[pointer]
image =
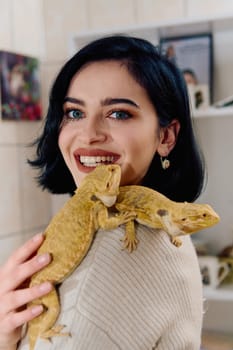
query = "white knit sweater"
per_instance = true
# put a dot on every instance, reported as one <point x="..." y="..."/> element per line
<point x="149" y="299"/>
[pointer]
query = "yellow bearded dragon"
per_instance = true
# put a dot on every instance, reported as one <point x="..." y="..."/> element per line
<point x="73" y="229"/>
<point x="153" y="209"/>
<point x="68" y="238"/>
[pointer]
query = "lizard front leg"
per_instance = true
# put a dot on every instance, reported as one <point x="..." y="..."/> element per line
<point x="130" y="240"/>
<point x="110" y="221"/>
<point x="169" y="227"/>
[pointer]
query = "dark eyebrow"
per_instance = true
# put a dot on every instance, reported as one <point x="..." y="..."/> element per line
<point x="107" y="102"/>
<point x="73" y="100"/>
<point x="111" y="101"/>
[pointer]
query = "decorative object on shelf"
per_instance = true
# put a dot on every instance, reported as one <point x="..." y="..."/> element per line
<point x="213" y="271"/>
<point x="226" y="255"/>
<point x="229" y="277"/>
<point x="20" y="88"/>
<point x="199" y="96"/>
<point x="194" y="56"/>
<point x="226" y="102"/>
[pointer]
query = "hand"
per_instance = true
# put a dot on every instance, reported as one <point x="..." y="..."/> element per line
<point x="14" y="295"/>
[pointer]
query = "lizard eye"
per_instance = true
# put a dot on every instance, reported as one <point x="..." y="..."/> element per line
<point x="204" y="215"/>
<point x="183" y="219"/>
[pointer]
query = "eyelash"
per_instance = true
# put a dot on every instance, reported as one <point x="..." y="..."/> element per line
<point x="69" y="111"/>
<point x="127" y="114"/>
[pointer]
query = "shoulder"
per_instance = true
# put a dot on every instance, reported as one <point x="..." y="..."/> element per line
<point x="148" y="289"/>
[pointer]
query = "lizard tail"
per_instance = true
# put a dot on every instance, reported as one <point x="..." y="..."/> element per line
<point x="39" y="326"/>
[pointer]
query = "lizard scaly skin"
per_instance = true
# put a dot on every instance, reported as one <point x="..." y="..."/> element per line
<point x="153" y="209"/>
<point x="71" y="232"/>
<point x="68" y="238"/>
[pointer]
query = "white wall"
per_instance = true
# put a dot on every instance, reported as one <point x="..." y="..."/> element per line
<point x="24" y="209"/>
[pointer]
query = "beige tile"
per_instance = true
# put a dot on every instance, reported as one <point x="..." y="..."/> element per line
<point x="28" y="28"/>
<point x="8" y="132"/>
<point x="57" y="202"/>
<point x="18" y="132"/>
<point x="150" y="11"/>
<point x="28" y="131"/>
<point x="10" y="208"/>
<point x="208" y="7"/>
<point x="35" y="203"/>
<point x="5" y="25"/>
<point x="63" y="18"/>
<point x="111" y="14"/>
<point x="48" y="75"/>
<point x="7" y="245"/>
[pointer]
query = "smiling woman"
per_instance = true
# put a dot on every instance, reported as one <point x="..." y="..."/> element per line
<point x="113" y="119"/>
<point x="118" y="100"/>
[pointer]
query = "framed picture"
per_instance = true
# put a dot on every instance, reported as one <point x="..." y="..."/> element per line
<point x="20" y="88"/>
<point x="194" y="56"/>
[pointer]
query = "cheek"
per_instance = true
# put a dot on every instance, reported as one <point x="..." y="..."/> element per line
<point x="64" y="139"/>
<point x="63" y="144"/>
<point x="143" y="144"/>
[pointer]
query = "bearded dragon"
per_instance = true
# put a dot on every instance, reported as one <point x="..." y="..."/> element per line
<point x="155" y="210"/>
<point x="73" y="229"/>
<point x="68" y="238"/>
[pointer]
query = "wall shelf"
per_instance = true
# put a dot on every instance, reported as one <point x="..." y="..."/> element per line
<point x="160" y="29"/>
<point x="222" y="293"/>
<point x="213" y="112"/>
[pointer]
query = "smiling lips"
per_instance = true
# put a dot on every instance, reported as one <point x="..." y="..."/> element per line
<point x="89" y="159"/>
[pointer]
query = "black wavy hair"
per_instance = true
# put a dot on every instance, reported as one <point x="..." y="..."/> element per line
<point x="166" y="88"/>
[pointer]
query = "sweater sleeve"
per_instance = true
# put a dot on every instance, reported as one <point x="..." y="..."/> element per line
<point x="149" y="299"/>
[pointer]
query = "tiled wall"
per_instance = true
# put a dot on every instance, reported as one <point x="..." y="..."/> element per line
<point x="44" y="28"/>
<point x="24" y="208"/>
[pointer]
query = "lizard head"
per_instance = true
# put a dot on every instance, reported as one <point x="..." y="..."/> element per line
<point x="105" y="181"/>
<point x="194" y="217"/>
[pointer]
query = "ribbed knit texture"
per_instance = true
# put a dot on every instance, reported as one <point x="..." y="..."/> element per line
<point x="149" y="299"/>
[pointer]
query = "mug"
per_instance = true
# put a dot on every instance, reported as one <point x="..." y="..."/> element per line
<point x="213" y="271"/>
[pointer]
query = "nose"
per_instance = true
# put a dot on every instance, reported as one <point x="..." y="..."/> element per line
<point x="93" y="131"/>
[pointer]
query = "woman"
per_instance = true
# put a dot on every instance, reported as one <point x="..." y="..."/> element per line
<point x="118" y="100"/>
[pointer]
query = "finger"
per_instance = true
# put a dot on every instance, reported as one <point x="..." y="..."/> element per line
<point x="25" y="251"/>
<point x="17" y="319"/>
<point x="16" y="299"/>
<point x="23" y="272"/>
<point x="9" y="340"/>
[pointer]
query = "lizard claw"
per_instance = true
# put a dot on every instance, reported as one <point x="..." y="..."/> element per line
<point x="130" y="244"/>
<point x="176" y="241"/>
<point x="55" y="332"/>
<point x="128" y="216"/>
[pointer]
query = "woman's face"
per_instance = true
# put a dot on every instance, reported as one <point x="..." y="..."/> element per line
<point x="108" y="118"/>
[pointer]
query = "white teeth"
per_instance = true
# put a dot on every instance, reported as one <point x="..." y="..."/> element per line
<point x="92" y="161"/>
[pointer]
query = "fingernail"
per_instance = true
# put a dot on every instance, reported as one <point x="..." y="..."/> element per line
<point x="45" y="287"/>
<point x="37" y="237"/>
<point x="36" y="310"/>
<point x="44" y="258"/>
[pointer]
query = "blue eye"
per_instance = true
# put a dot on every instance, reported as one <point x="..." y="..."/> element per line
<point x="120" y="115"/>
<point x="74" y="114"/>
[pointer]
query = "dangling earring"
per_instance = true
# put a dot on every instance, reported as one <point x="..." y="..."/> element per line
<point x="165" y="163"/>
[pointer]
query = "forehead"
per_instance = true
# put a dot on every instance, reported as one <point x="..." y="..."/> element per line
<point x="103" y="71"/>
<point x="106" y="76"/>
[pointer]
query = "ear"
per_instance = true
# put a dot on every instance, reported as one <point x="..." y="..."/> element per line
<point x="168" y="137"/>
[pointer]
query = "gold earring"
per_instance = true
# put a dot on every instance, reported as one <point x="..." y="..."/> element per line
<point x="165" y="163"/>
